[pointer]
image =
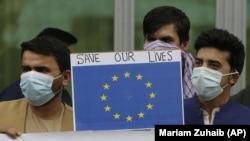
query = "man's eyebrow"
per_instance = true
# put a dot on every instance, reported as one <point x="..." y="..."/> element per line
<point x="209" y="61"/>
<point x="151" y="38"/>
<point x="214" y="62"/>
<point x="198" y="59"/>
<point x="25" y="66"/>
<point x="36" y="67"/>
<point x="166" y="38"/>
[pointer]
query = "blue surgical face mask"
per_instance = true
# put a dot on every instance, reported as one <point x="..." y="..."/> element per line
<point x="37" y="87"/>
<point x="206" y="82"/>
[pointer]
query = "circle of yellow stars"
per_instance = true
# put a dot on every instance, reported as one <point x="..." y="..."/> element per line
<point x="117" y="115"/>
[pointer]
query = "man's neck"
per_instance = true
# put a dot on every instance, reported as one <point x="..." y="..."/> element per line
<point x="50" y="110"/>
<point x="208" y="106"/>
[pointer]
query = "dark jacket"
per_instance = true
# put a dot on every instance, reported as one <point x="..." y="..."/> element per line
<point x="230" y="113"/>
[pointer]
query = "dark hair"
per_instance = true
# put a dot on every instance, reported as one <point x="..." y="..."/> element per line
<point x="64" y="36"/>
<point x="160" y="16"/>
<point x="223" y="40"/>
<point x="49" y="46"/>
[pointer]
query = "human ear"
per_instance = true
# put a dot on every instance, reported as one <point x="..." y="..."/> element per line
<point x="66" y="77"/>
<point x="184" y="46"/>
<point x="234" y="77"/>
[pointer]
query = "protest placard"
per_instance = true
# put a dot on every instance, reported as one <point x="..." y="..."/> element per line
<point x="126" y="90"/>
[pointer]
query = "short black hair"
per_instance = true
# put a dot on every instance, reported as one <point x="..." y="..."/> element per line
<point x="49" y="46"/>
<point x="222" y="40"/>
<point x="162" y="15"/>
<point x="62" y="35"/>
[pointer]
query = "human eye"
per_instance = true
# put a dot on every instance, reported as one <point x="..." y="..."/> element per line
<point x="25" y="69"/>
<point x="42" y="69"/>
<point x="197" y="63"/>
<point x="166" y="39"/>
<point x="214" y="64"/>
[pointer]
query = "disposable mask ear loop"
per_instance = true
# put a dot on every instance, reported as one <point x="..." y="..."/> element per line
<point x="229" y="78"/>
<point x="60" y="89"/>
<point x="58" y="76"/>
<point x="225" y="86"/>
<point x="230" y="73"/>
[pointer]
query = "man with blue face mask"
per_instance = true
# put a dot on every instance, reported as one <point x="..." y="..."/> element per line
<point x="45" y="72"/>
<point x="218" y="63"/>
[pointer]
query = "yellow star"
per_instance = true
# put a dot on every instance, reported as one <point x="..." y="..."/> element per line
<point x="139" y="77"/>
<point x="107" y="108"/>
<point x="141" y="115"/>
<point x="129" y="118"/>
<point x="116" y="116"/>
<point x="126" y="74"/>
<point x="148" y="84"/>
<point x="152" y="95"/>
<point x="106" y="86"/>
<point x="103" y="97"/>
<point x="115" y="78"/>
<point x="149" y="106"/>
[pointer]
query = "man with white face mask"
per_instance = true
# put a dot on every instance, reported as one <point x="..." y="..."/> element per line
<point x="45" y="72"/>
<point x="13" y="91"/>
<point x="218" y="63"/>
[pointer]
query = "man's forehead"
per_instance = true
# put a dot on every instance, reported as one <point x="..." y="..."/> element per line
<point x="212" y="54"/>
<point x="34" y="59"/>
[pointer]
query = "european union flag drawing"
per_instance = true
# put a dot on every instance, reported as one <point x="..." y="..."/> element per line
<point x="127" y="96"/>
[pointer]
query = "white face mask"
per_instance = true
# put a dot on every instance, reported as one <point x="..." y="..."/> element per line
<point x="206" y="82"/>
<point x="37" y="87"/>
